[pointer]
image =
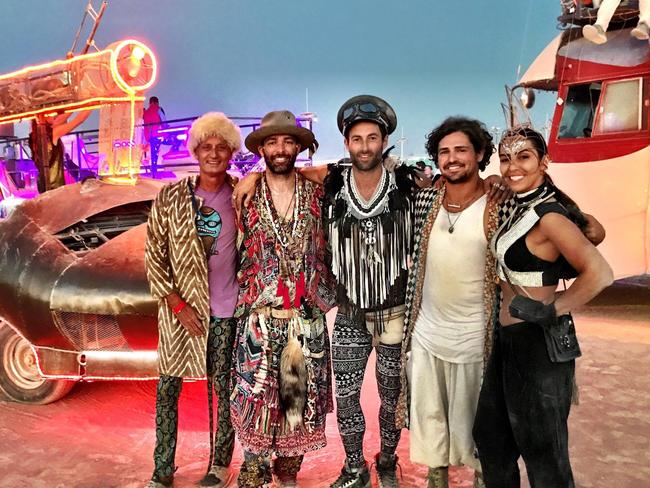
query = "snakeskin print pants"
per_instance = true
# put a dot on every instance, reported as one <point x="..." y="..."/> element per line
<point x="219" y="360"/>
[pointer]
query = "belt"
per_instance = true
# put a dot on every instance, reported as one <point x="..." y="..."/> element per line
<point x="387" y="314"/>
<point x="288" y="313"/>
<point x="277" y="313"/>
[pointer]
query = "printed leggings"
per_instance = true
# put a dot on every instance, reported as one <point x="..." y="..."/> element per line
<point x="351" y="347"/>
<point x="219" y="360"/>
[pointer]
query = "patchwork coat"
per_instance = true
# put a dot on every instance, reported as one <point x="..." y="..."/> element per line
<point x="175" y="261"/>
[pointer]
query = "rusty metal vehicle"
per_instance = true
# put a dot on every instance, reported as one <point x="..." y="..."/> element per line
<point x="74" y="300"/>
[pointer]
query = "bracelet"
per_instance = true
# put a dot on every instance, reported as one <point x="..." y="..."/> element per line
<point x="179" y="308"/>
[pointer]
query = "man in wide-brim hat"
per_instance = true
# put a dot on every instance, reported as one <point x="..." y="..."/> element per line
<point x="285" y="122"/>
<point x="282" y="382"/>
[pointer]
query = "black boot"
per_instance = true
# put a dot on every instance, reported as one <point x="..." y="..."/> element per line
<point x="387" y="470"/>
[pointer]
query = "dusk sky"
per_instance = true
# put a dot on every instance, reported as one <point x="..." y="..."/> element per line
<point x="427" y="58"/>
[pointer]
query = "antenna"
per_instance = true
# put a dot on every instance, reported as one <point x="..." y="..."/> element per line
<point x="307" y="114"/>
<point x="401" y="142"/>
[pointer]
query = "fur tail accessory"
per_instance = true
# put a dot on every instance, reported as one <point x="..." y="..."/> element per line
<point x="293" y="382"/>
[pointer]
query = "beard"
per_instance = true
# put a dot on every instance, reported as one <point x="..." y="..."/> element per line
<point x="369" y="165"/>
<point x="281" y="168"/>
<point x="457" y="179"/>
<point x="463" y="177"/>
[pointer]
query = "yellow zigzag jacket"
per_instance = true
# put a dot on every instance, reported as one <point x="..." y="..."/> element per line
<point x="175" y="261"/>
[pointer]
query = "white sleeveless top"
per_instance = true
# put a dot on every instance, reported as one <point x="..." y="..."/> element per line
<point x="451" y="322"/>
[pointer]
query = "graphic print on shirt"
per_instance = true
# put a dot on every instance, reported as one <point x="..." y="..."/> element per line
<point x="208" y="226"/>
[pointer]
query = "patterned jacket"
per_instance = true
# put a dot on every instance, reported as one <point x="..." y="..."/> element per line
<point x="427" y="204"/>
<point x="175" y="261"/>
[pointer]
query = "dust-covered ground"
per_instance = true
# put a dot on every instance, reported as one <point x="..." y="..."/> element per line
<point x="102" y="434"/>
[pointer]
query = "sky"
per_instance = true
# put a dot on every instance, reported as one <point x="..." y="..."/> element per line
<point x="429" y="59"/>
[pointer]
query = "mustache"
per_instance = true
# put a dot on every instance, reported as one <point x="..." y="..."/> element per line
<point x="282" y="155"/>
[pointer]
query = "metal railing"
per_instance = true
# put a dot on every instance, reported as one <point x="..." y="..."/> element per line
<point x="83" y="155"/>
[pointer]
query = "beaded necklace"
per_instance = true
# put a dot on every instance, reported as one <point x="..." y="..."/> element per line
<point x="377" y="203"/>
<point x="278" y="229"/>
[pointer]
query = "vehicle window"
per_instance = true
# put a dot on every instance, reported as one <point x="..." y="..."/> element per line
<point x="620" y="109"/>
<point x="579" y="111"/>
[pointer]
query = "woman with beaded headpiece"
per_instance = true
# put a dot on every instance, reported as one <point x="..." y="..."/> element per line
<point x="528" y="385"/>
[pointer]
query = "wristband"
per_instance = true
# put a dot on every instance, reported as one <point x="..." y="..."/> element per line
<point x="179" y="308"/>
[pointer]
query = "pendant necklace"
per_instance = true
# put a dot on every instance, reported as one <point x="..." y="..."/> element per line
<point x="452" y="224"/>
<point x="464" y="206"/>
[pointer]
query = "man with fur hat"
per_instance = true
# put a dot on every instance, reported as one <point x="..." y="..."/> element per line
<point x="191" y="263"/>
<point x="282" y="380"/>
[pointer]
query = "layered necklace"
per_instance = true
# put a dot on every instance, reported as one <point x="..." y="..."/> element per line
<point x="290" y="242"/>
<point x="377" y="204"/>
<point x="463" y="206"/>
<point x="274" y="219"/>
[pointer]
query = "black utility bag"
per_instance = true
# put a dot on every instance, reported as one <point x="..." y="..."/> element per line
<point x="561" y="340"/>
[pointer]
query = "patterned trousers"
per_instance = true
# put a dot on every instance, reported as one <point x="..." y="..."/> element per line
<point x="352" y="343"/>
<point x="219" y="359"/>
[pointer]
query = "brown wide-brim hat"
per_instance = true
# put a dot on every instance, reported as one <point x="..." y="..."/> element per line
<point x="280" y="122"/>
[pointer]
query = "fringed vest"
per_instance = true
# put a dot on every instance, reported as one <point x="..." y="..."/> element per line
<point x="370" y="242"/>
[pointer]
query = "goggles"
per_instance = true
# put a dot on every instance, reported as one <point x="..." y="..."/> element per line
<point x="364" y="111"/>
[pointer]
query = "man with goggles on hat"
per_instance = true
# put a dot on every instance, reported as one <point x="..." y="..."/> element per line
<point x="367" y="211"/>
<point x="367" y="218"/>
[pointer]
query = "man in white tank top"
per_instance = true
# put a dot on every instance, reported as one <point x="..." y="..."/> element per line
<point x="452" y="301"/>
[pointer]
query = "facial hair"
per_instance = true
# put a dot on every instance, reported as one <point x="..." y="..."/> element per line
<point x="366" y="165"/>
<point x="456" y="180"/>
<point x="281" y="168"/>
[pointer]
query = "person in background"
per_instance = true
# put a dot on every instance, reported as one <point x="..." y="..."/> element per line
<point x="47" y="147"/>
<point x="153" y="117"/>
<point x="596" y="33"/>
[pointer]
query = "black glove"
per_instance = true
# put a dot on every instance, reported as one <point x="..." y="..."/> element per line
<point x="530" y="310"/>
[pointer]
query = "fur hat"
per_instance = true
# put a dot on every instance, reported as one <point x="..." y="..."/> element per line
<point x="213" y="124"/>
<point x="280" y="122"/>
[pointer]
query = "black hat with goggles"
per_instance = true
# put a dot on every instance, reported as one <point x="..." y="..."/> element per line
<point x="366" y="108"/>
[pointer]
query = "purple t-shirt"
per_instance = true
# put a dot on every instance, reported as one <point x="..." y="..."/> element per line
<point x="216" y="227"/>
